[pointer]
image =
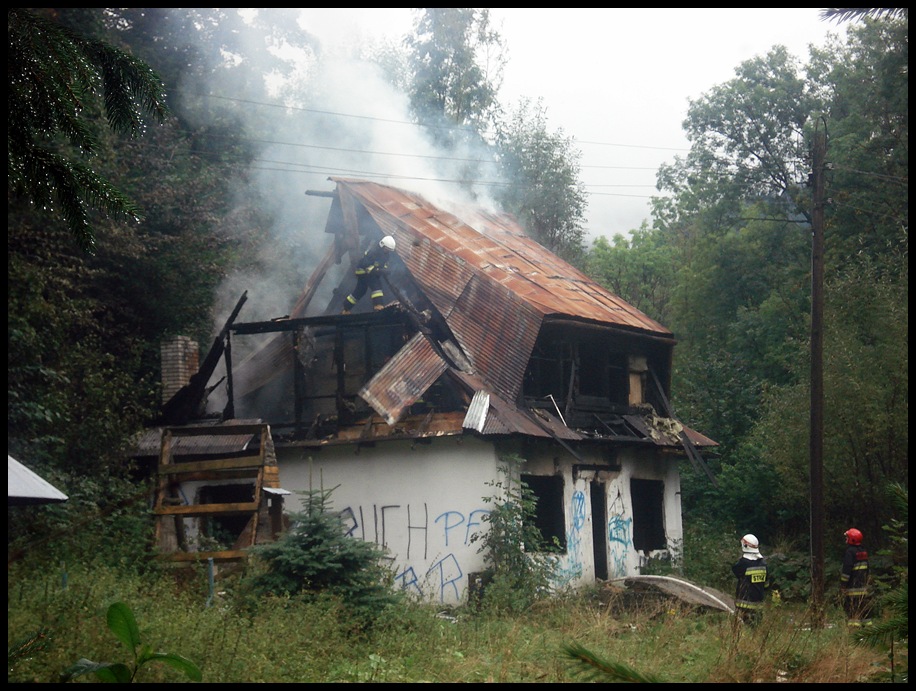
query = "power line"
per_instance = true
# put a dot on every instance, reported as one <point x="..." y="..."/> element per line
<point x="633" y="146"/>
<point x="311" y="168"/>
<point x="397" y="154"/>
<point x="880" y="176"/>
<point x="421" y="124"/>
<point x="336" y="172"/>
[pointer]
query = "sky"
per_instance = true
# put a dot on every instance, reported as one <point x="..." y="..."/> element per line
<point x="616" y="81"/>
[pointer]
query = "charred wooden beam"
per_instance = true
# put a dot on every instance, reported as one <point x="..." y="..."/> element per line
<point x="185" y="404"/>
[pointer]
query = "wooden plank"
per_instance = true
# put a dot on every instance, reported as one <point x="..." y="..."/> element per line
<point x="182" y="405"/>
<point x="168" y="532"/>
<point x="206" y="509"/>
<point x="216" y="430"/>
<point x="223" y="555"/>
<point x="254" y="462"/>
<point x="253" y="523"/>
<point x="249" y="474"/>
<point x="317" y="275"/>
<point x="271" y="476"/>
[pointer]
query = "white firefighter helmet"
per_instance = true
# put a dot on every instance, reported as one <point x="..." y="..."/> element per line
<point x="750" y="544"/>
<point x="387" y="242"/>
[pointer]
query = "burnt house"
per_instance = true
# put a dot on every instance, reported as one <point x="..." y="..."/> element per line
<point x="492" y="355"/>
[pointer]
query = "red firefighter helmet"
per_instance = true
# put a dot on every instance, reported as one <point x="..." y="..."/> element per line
<point x="853" y="537"/>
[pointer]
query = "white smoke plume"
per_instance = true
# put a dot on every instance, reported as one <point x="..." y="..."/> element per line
<point x="332" y="115"/>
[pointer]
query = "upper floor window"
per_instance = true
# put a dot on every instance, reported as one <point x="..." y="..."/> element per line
<point x="587" y="372"/>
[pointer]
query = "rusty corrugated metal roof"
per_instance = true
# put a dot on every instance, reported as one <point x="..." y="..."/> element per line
<point x="495" y="288"/>
<point x="445" y="252"/>
<point x="492" y="283"/>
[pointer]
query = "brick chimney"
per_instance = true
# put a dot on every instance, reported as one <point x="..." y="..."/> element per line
<point x="180" y="361"/>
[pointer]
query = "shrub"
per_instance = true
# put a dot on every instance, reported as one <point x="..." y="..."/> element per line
<point x="520" y="563"/>
<point x="315" y="559"/>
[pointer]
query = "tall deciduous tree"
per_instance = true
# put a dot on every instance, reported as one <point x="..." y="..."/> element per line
<point x="747" y="142"/>
<point x="737" y="220"/>
<point x="455" y="60"/>
<point x="866" y="428"/>
<point x="456" y="64"/>
<point x="864" y="84"/>
<point x="58" y="82"/>
<point x="638" y="267"/>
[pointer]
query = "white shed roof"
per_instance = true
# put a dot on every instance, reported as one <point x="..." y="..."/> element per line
<point x="26" y="487"/>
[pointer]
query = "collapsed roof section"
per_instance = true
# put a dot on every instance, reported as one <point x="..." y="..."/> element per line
<point x="492" y="284"/>
<point x="488" y="324"/>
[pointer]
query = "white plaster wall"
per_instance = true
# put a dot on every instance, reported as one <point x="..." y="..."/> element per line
<point x="423" y="504"/>
<point x="674" y="525"/>
<point x="623" y="558"/>
<point x="576" y="566"/>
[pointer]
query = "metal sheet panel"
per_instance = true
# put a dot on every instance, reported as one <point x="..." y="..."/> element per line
<point x="150" y="442"/>
<point x="498" y="337"/>
<point x="403" y="379"/>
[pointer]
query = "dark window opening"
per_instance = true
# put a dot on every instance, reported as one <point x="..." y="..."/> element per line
<point x="549" y="371"/>
<point x="222" y="532"/>
<point x="603" y="374"/>
<point x="569" y="373"/>
<point x="598" y="496"/>
<point x="549" y="517"/>
<point x="648" y="514"/>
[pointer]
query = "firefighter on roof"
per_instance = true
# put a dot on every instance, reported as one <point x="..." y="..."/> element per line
<point x="369" y="275"/>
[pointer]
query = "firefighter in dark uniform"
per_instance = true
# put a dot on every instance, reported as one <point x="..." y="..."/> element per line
<point x="854" y="579"/>
<point x="369" y="275"/>
<point x="751" y="572"/>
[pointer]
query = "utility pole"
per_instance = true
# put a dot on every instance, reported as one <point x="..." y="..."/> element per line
<point x="816" y="444"/>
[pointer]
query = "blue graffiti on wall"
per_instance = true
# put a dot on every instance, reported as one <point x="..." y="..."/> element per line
<point x="578" y="510"/>
<point x="620" y="535"/>
<point x="449" y="575"/>
<point x="446" y="574"/>
<point x="571" y="567"/>
<point x="455" y="519"/>
<point x="408" y="580"/>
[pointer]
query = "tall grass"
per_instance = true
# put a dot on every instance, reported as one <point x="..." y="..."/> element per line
<point x="288" y="640"/>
